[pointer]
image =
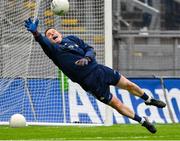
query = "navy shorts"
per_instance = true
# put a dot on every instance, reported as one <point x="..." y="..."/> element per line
<point x="98" y="82"/>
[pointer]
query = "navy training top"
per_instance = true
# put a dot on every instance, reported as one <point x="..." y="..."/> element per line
<point x="65" y="54"/>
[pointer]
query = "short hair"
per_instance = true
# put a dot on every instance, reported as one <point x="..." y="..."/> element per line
<point x="47" y="30"/>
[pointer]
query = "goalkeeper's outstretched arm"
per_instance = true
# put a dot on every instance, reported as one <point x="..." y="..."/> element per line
<point x="44" y="42"/>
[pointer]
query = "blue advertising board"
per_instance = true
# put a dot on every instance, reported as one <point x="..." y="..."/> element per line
<point x="42" y="100"/>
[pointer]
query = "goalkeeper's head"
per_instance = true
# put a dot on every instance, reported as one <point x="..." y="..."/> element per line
<point x="53" y="35"/>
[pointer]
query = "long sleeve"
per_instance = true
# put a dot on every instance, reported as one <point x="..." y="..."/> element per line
<point x="45" y="44"/>
<point x="90" y="53"/>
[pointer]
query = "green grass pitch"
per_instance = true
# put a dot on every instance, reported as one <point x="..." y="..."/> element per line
<point x="116" y="132"/>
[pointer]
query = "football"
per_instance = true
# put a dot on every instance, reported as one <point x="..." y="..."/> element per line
<point x="60" y="7"/>
<point x="17" y="120"/>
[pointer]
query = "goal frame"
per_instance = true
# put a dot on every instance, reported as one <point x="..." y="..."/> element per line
<point x="108" y="62"/>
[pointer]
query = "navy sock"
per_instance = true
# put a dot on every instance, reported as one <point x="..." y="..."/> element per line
<point x="145" y="96"/>
<point x="137" y="118"/>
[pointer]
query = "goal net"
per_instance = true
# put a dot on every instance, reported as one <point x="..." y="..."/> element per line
<point x="30" y="84"/>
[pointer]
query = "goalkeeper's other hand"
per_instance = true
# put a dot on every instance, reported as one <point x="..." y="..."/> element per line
<point x="82" y="62"/>
<point x="30" y="25"/>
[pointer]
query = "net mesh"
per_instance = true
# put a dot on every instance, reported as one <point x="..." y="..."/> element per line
<point x="30" y="83"/>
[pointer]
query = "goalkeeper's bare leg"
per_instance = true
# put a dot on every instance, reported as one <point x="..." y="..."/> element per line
<point x="126" y="84"/>
<point x="124" y="110"/>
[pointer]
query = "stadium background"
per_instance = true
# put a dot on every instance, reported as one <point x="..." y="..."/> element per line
<point x="30" y="84"/>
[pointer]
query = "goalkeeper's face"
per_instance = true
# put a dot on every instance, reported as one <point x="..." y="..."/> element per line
<point x="53" y="35"/>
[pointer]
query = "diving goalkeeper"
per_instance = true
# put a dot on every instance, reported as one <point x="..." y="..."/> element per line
<point x="77" y="60"/>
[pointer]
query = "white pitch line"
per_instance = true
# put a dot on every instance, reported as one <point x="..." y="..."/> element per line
<point x="62" y="139"/>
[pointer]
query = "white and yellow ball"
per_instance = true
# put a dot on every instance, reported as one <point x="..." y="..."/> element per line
<point x="17" y="121"/>
<point x="60" y="7"/>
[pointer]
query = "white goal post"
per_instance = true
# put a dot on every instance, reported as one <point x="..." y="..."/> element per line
<point x="108" y="49"/>
<point x="30" y="84"/>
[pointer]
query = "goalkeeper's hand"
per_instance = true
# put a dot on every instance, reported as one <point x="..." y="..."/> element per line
<point x="31" y="26"/>
<point x="82" y="61"/>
